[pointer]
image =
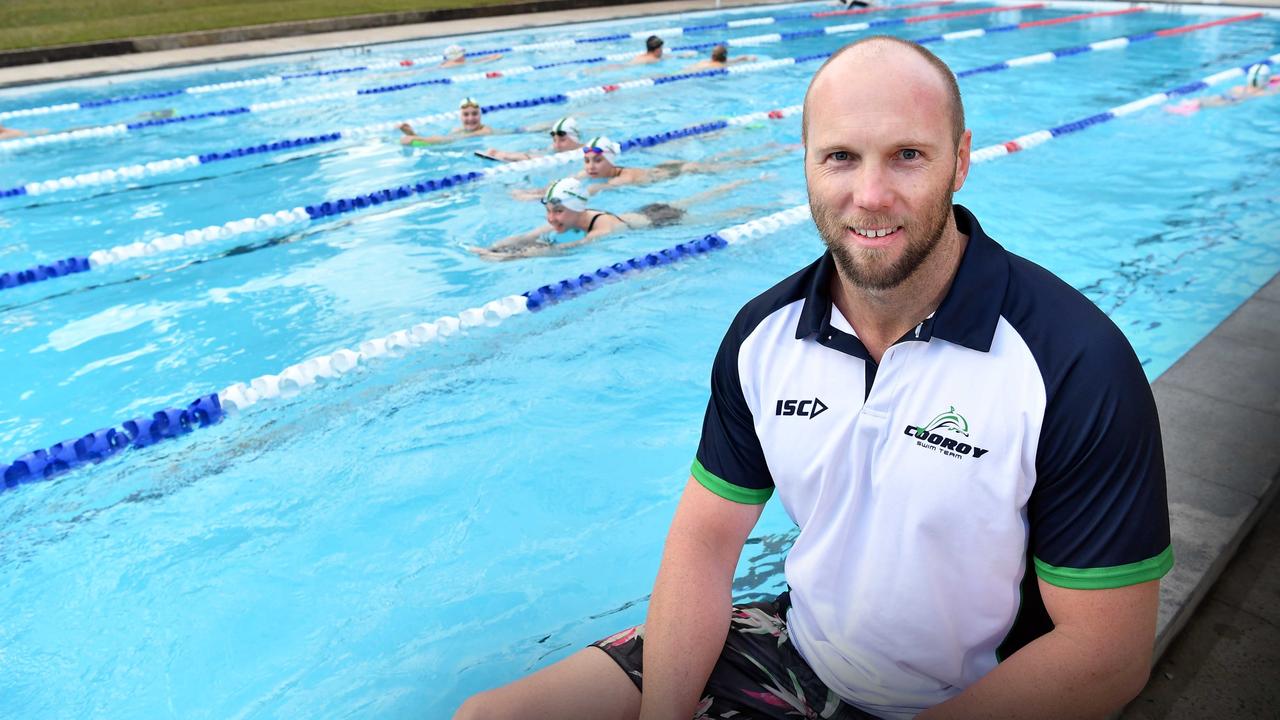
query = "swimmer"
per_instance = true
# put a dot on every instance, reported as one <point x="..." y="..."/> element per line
<point x="10" y="133"/>
<point x="472" y="124"/>
<point x="652" y="52"/>
<point x="600" y="158"/>
<point x="454" y="56"/>
<point x="162" y="114"/>
<point x="564" y="136"/>
<point x="719" y="59"/>
<point x="1258" y="83"/>
<point x="566" y="207"/>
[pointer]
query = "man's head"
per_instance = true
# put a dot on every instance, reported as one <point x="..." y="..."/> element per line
<point x="885" y="149"/>
<point x="564" y="134"/>
<point x="599" y="155"/>
<point x="564" y="200"/>
<point x="469" y="113"/>
<point x="454" y="53"/>
<point x="653" y="45"/>
<point x="720" y="53"/>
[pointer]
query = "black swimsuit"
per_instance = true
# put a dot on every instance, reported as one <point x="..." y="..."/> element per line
<point x="592" y="224"/>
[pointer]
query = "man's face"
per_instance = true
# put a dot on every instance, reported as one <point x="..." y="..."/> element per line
<point x="881" y="163"/>
<point x="561" y="141"/>
<point x="597" y="165"/>
<point x="470" y="117"/>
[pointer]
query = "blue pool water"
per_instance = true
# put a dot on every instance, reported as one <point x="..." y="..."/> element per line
<point x="440" y="523"/>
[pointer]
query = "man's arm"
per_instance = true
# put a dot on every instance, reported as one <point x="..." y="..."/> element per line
<point x="689" y="611"/>
<point x="1096" y="659"/>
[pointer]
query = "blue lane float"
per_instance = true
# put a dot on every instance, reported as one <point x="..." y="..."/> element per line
<point x="102" y="444"/>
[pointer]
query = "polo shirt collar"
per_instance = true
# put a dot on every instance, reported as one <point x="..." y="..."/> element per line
<point x="967" y="315"/>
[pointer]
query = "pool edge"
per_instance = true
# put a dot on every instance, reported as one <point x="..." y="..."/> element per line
<point x="1220" y="420"/>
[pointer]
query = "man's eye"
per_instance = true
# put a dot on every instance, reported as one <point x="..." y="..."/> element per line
<point x="840" y="156"/>
<point x="910" y="154"/>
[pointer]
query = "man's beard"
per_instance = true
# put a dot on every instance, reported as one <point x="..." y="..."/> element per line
<point x="868" y="268"/>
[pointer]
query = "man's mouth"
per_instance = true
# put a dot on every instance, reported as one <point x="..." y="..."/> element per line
<point x="875" y="233"/>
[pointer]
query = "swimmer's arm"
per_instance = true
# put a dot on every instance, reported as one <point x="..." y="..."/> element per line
<point x="742" y="59"/>
<point x="505" y="156"/>
<point x="523" y="238"/>
<point x="526" y="194"/>
<point x="486" y="58"/>
<point x="1096" y="659"/>
<point x="426" y="139"/>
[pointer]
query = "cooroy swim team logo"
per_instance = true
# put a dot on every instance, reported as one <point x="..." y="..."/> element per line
<point x="930" y="435"/>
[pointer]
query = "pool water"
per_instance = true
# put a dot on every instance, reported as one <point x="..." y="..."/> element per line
<point x="439" y="523"/>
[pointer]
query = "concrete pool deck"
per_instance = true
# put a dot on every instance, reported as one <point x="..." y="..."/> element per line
<point x="1219" y="403"/>
<point x="284" y="46"/>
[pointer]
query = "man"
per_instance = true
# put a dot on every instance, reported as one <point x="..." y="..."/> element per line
<point x="565" y="136"/>
<point x="719" y="59"/>
<point x="969" y="448"/>
<point x="652" y="52"/>
<point x="472" y="124"/>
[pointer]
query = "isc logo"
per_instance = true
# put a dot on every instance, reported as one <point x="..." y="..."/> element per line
<point x="804" y="408"/>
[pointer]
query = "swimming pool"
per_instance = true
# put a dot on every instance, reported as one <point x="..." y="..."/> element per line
<point x="438" y="523"/>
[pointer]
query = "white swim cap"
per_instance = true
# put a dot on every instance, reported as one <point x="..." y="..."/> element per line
<point x="601" y="145"/>
<point x="454" y="52"/>
<point x="1257" y="76"/>
<point x="567" y="192"/>
<point x="468" y="102"/>
<point x="566" y="125"/>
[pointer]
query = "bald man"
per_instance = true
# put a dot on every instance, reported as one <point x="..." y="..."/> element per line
<point x="968" y="446"/>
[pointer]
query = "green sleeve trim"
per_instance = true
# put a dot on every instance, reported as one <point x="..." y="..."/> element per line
<point x="1106" y="577"/>
<point x="727" y="490"/>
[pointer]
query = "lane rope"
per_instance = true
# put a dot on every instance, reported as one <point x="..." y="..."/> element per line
<point x="289" y="220"/>
<point x="210" y="409"/>
<point x="436" y="58"/>
<point x="170" y="165"/>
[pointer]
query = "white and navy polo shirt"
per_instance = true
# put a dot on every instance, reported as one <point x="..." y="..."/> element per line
<point x="1010" y="436"/>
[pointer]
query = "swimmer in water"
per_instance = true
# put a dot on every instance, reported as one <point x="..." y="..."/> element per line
<point x="454" y="56"/>
<point x="1258" y="83"/>
<point x="652" y="52"/>
<point x="719" y="59"/>
<point x="565" y="201"/>
<point x="7" y="133"/>
<point x="469" y="115"/>
<point x="564" y="137"/>
<point x="600" y="158"/>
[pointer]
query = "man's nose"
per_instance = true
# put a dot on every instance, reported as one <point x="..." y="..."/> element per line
<point x="873" y="187"/>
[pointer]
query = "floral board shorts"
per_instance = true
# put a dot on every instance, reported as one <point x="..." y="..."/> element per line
<point x="759" y="674"/>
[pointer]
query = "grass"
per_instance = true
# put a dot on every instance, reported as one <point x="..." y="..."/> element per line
<point x="40" y="23"/>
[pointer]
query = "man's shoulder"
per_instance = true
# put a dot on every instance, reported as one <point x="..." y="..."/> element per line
<point x="1063" y="328"/>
